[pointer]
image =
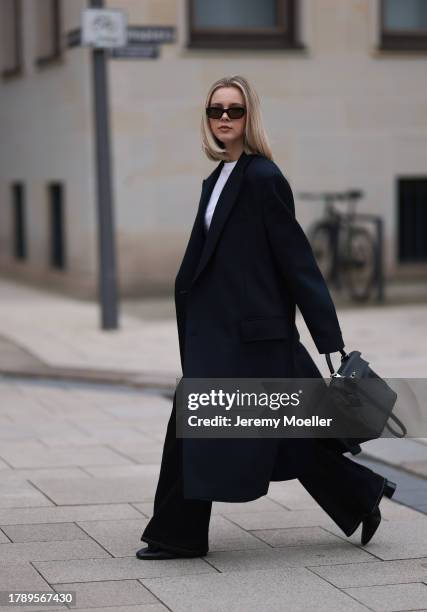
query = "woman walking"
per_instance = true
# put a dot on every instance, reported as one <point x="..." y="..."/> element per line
<point x="247" y="265"/>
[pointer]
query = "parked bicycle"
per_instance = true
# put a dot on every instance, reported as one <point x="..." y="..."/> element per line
<point x="345" y="252"/>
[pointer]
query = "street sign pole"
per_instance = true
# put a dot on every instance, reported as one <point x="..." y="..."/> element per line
<point x="107" y="275"/>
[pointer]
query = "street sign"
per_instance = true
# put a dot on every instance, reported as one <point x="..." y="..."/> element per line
<point x="73" y="38"/>
<point x="135" y="52"/>
<point x="151" y="34"/>
<point x="104" y="28"/>
<point x="141" y="42"/>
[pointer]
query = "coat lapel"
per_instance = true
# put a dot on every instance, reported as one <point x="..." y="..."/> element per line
<point x="197" y="237"/>
<point x="223" y="207"/>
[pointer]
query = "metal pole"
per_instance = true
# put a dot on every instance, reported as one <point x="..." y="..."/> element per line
<point x="380" y="259"/>
<point x="107" y="282"/>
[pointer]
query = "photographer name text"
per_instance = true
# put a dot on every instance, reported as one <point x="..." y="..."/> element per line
<point x="275" y="422"/>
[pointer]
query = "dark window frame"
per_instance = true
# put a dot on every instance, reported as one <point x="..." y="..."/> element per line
<point x="279" y="37"/>
<point x="410" y="236"/>
<point x="400" y="40"/>
<point x="56" y="55"/>
<point x="57" y="225"/>
<point x="17" y="68"/>
<point x="19" y="221"/>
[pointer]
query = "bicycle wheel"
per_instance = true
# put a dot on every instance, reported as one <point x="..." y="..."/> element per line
<point x="359" y="271"/>
<point x="321" y="239"/>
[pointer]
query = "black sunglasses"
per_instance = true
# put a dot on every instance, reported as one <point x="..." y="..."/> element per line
<point x="234" y="112"/>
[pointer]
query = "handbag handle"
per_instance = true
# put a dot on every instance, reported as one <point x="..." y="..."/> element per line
<point x="329" y="362"/>
<point x="394" y="418"/>
<point x="401" y="425"/>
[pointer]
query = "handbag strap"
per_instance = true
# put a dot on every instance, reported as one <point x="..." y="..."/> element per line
<point x="396" y="420"/>
<point x="401" y="425"/>
<point x="329" y="362"/>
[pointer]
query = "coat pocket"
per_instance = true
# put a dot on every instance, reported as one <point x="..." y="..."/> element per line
<point x="264" y="328"/>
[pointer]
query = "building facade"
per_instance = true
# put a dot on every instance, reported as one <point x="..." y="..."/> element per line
<point x="343" y="91"/>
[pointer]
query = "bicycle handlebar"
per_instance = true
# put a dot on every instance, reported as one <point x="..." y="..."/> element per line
<point x="330" y="196"/>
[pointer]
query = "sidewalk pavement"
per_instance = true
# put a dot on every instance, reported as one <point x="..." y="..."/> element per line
<point x="78" y="470"/>
<point x="79" y="464"/>
<point x="64" y="334"/>
<point x="46" y="334"/>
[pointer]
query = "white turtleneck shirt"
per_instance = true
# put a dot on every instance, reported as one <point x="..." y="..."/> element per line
<point x="216" y="192"/>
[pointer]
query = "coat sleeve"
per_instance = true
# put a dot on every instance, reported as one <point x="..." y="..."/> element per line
<point x="297" y="265"/>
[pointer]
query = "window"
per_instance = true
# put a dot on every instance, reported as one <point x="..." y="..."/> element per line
<point x="243" y="24"/>
<point x="404" y="24"/>
<point x="11" y="37"/>
<point x="57" y="225"/>
<point x="19" y="222"/>
<point x="412" y="220"/>
<point x="48" y="27"/>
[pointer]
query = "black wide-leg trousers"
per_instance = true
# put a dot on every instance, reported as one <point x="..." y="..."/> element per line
<point x="346" y="490"/>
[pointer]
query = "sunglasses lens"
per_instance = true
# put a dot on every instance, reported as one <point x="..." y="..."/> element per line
<point x="236" y="113"/>
<point x="216" y="112"/>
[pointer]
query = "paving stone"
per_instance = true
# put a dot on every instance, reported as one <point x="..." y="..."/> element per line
<point x="44" y="532"/>
<point x="4" y="466"/>
<point x="146" y="508"/>
<point x="92" y="433"/>
<point x="25" y="457"/>
<point x="395" y="539"/>
<point x="128" y="568"/>
<point x="225" y="535"/>
<point x="398" y="450"/>
<point x="46" y="551"/>
<point x="21" y="494"/>
<point x="21" y="575"/>
<point x="373" y="573"/>
<point x="391" y="510"/>
<point x="297" y="536"/>
<point x="393" y="597"/>
<point x="3" y="537"/>
<point x="283" y="518"/>
<point x="291" y="495"/>
<point x="404" y="480"/>
<point x="108" y="593"/>
<point x="257" y="505"/>
<point x="121" y="538"/>
<point x="63" y="514"/>
<point x="275" y="590"/>
<point x="23" y="474"/>
<point x="59" y="431"/>
<point x="148" y="607"/>
<point x="138" y="453"/>
<point x="147" y="474"/>
<point x="287" y="556"/>
<point x="54" y="607"/>
<point x="98" y="490"/>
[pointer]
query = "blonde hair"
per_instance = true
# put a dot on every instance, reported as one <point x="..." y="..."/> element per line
<point x="255" y="138"/>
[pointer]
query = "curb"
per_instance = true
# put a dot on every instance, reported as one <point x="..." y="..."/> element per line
<point x="157" y="380"/>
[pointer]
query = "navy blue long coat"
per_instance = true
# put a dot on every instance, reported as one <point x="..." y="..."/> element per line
<point x="235" y="297"/>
